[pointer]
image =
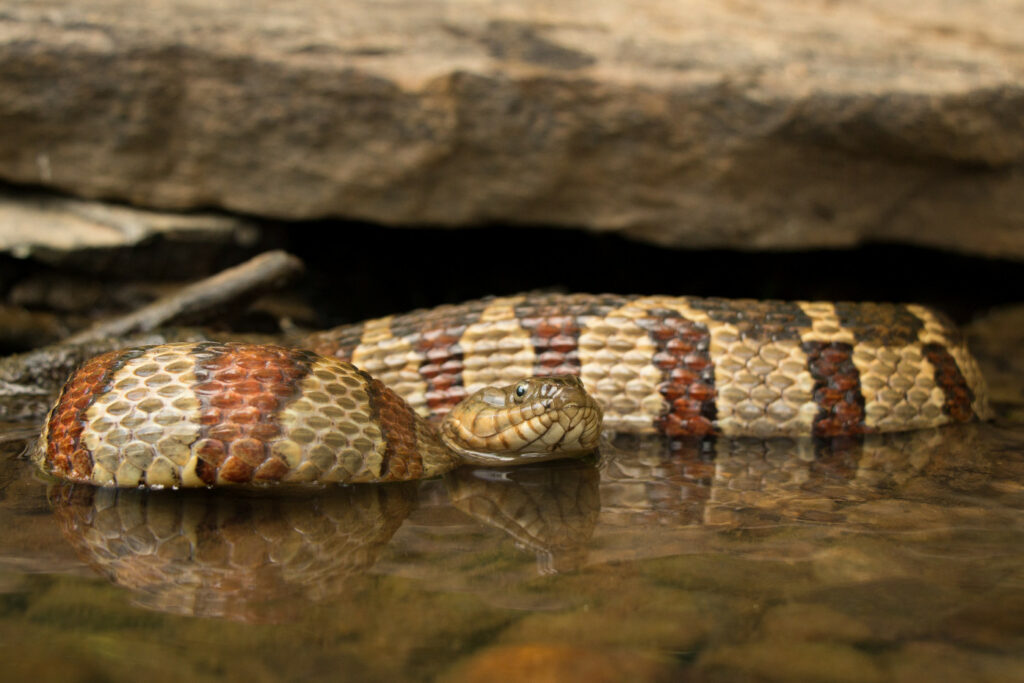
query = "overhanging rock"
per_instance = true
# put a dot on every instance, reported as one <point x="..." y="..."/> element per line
<point x="700" y="124"/>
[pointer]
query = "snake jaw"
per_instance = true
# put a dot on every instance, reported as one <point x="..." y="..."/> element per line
<point x="542" y="418"/>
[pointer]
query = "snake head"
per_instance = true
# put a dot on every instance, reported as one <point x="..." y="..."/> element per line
<point x="538" y="418"/>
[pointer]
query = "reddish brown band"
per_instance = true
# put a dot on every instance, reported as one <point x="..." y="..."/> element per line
<point x="438" y="342"/>
<point x="959" y="396"/>
<point x="689" y="376"/>
<point x="64" y="452"/>
<point x="397" y="424"/>
<point x="837" y="389"/>
<point x="240" y="390"/>
<point x="339" y="344"/>
<point x="555" y="340"/>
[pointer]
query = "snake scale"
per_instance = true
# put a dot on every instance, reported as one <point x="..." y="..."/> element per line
<point x="208" y="414"/>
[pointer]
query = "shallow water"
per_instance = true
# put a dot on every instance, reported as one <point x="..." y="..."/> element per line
<point x="892" y="558"/>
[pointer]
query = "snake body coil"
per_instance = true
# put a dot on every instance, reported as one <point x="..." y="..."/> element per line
<point x="686" y="365"/>
<point x="209" y="414"/>
<point x="212" y="414"/>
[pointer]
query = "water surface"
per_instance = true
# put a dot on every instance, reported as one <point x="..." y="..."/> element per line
<point x="890" y="558"/>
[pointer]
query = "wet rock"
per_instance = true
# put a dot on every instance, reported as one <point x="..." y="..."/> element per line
<point x="724" y="570"/>
<point x="697" y="124"/>
<point x="789" y="661"/>
<point x="896" y="608"/>
<point x="555" y="663"/>
<point x="946" y="663"/>
<point x="674" y="620"/>
<point x="994" y="622"/>
<point x="898" y="514"/>
<point x="53" y="659"/>
<point x="860" y="563"/>
<point x="806" y="622"/>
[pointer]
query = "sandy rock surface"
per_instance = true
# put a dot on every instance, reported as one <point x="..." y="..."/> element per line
<point x="796" y="123"/>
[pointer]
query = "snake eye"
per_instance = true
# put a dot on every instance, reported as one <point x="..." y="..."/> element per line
<point x="521" y="389"/>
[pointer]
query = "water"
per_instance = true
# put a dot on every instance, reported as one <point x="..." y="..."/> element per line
<point x="893" y="559"/>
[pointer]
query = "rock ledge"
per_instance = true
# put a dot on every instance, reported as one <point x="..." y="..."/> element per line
<point x="790" y="125"/>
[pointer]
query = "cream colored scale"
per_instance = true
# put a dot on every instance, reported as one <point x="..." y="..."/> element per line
<point x="761" y="389"/>
<point x="393" y="361"/>
<point x="616" y="366"/>
<point x="151" y="417"/>
<point x="935" y="333"/>
<point x="497" y="350"/>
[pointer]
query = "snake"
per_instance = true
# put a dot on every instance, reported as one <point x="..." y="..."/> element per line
<point x="216" y="414"/>
<point x="415" y="395"/>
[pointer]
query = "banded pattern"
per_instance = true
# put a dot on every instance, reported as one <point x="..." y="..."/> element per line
<point x="63" y="449"/>
<point x="207" y="413"/>
<point x="685" y="365"/>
